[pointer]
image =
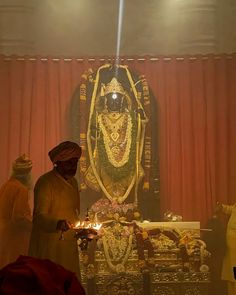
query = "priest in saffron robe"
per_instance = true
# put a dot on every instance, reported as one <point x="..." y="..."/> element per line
<point x="15" y="212"/>
<point x="56" y="207"/>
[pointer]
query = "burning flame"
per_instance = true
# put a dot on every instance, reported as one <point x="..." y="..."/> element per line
<point x="84" y="224"/>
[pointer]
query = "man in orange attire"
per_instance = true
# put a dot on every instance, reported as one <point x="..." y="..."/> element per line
<point x="15" y="213"/>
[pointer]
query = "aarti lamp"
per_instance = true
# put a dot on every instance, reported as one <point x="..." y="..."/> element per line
<point x="86" y="231"/>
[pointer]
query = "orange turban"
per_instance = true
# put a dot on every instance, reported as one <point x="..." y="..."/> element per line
<point x="22" y="165"/>
<point x="65" y="151"/>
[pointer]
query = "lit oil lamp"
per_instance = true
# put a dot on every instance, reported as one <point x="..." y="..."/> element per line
<point x="86" y="231"/>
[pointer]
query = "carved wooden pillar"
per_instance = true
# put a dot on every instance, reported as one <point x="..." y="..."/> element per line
<point x="16" y="27"/>
<point x="198" y="32"/>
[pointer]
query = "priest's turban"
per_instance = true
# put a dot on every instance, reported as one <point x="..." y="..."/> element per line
<point x="65" y="151"/>
<point x="22" y="165"/>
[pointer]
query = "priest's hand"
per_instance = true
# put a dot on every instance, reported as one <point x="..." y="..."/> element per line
<point x="63" y="225"/>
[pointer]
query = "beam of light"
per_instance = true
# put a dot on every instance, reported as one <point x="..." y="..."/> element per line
<point x="120" y="21"/>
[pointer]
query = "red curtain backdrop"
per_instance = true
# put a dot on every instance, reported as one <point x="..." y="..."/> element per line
<point x="196" y="97"/>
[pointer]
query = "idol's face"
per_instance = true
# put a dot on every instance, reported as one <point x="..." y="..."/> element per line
<point x="114" y="102"/>
<point x="68" y="168"/>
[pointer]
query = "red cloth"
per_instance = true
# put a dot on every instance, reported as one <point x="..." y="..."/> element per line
<point x="32" y="276"/>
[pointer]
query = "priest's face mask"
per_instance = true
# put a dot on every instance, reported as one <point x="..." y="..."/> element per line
<point x="67" y="169"/>
<point x="114" y="102"/>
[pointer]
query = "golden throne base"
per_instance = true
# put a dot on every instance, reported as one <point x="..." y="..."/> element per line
<point x="154" y="283"/>
<point x="157" y="281"/>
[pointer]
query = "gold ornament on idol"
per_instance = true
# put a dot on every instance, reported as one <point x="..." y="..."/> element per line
<point x="117" y="137"/>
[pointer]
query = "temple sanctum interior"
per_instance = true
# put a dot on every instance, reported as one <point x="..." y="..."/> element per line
<point x="142" y="96"/>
